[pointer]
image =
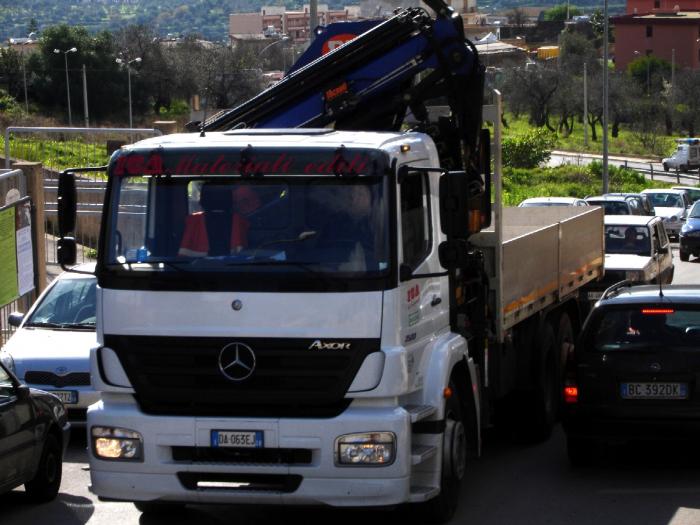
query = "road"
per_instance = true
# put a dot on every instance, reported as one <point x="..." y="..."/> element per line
<point x="562" y="157"/>
<point x="650" y="484"/>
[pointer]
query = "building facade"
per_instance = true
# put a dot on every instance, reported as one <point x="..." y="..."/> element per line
<point x="672" y="35"/>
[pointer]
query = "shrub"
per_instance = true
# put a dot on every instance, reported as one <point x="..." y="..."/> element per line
<point x="528" y="150"/>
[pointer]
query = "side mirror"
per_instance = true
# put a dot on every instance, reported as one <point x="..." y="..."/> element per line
<point x="453" y="254"/>
<point x="67" y="204"/>
<point x="15" y="319"/>
<point x="66" y="251"/>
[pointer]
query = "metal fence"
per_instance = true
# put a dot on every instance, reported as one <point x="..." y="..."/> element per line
<point x="61" y="148"/>
<point x="14" y="180"/>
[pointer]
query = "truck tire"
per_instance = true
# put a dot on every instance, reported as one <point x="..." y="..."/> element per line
<point x="683" y="168"/>
<point x="442" y="508"/>
<point x="580" y="451"/>
<point x="666" y="168"/>
<point x="47" y="480"/>
<point x="538" y="407"/>
<point x="685" y="256"/>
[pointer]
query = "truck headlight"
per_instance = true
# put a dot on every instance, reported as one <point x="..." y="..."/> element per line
<point x="635" y="276"/>
<point x="117" y="443"/>
<point x="370" y="448"/>
<point x="7" y="360"/>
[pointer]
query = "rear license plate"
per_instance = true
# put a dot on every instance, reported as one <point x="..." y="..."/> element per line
<point x="237" y="439"/>
<point x="654" y="390"/>
<point x="594" y="296"/>
<point x="68" y="397"/>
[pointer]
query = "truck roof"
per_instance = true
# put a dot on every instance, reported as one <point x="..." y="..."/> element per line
<point x="419" y="143"/>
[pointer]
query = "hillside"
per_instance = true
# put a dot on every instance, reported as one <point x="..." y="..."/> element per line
<point x="206" y="17"/>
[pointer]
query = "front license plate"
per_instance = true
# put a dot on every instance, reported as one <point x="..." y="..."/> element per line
<point x="68" y="397"/>
<point x="237" y="439"/>
<point x="654" y="390"/>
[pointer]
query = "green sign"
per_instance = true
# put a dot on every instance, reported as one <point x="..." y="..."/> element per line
<point x="8" y="257"/>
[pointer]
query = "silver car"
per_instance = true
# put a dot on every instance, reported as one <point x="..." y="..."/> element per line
<point x="51" y="348"/>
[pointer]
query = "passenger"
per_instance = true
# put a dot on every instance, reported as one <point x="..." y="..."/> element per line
<point x="217" y="230"/>
<point x="630" y="245"/>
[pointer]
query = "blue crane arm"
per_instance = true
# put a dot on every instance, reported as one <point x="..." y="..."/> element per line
<point x="373" y="81"/>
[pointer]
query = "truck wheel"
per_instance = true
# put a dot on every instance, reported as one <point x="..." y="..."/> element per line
<point x="683" y="168"/>
<point x="685" y="256"/>
<point x="454" y="463"/>
<point x="666" y="167"/>
<point x="47" y="480"/>
<point x="158" y="507"/>
<point x="536" y="417"/>
<point x="580" y="451"/>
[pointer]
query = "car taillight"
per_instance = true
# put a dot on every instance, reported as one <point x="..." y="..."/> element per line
<point x="571" y="394"/>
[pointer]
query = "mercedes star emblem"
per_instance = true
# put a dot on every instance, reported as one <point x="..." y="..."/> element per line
<point x="237" y="361"/>
<point x="237" y="305"/>
<point x="656" y="367"/>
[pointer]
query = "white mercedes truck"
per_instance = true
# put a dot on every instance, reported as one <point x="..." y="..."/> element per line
<point x="326" y="315"/>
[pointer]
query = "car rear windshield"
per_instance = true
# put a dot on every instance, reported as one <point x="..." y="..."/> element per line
<point x="637" y="327"/>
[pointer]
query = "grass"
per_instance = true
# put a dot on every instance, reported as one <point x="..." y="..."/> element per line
<point x="627" y="143"/>
<point x="569" y="181"/>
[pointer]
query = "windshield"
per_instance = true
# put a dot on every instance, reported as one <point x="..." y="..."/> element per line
<point x="612" y="207"/>
<point x="627" y="239"/>
<point x="70" y="303"/>
<point x="637" y="327"/>
<point x="666" y="200"/>
<point x="260" y="232"/>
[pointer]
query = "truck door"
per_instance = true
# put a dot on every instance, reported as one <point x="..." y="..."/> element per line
<point x="423" y="298"/>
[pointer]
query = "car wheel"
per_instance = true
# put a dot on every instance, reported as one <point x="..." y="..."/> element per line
<point x="47" y="480"/>
<point x="684" y="256"/>
<point x="665" y="167"/>
<point x="158" y="507"/>
<point x="442" y="508"/>
<point x="580" y="451"/>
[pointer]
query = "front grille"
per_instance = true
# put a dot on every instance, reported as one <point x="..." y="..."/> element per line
<point x="182" y="376"/>
<point x="240" y="482"/>
<point x="266" y="456"/>
<point x="49" y="378"/>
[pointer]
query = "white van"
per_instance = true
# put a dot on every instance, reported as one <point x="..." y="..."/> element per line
<point x="686" y="156"/>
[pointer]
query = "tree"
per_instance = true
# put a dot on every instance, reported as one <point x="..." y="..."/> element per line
<point x="650" y="72"/>
<point x="561" y="12"/>
<point x="32" y="27"/>
<point x="517" y="17"/>
<point x="531" y="91"/>
<point x="686" y="103"/>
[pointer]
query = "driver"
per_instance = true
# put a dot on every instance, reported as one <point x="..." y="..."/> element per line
<point x="217" y="230"/>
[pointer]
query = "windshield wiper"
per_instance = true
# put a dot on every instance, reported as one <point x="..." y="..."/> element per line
<point x="60" y="325"/>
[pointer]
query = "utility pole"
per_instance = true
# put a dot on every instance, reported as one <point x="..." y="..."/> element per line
<point x="673" y="84"/>
<point x="585" y="104"/>
<point x="313" y="19"/>
<point x="605" y="97"/>
<point x="24" y="75"/>
<point x="85" y="99"/>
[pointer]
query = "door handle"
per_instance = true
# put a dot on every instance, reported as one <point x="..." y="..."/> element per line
<point x="436" y="300"/>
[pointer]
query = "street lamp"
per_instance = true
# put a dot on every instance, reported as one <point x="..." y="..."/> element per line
<point x="285" y="38"/>
<point x="127" y="65"/>
<point x="648" y="83"/>
<point x="65" y="57"/>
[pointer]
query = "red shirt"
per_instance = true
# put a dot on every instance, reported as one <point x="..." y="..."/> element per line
<point x="195" y="242"/>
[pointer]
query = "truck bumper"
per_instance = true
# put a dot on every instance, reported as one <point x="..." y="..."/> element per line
<point x="173" y="469"/>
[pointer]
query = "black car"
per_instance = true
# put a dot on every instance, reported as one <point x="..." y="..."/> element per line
<point x="33" y="437"/>
<point x="690" y="234"/>
<point x="634" y="371"/>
